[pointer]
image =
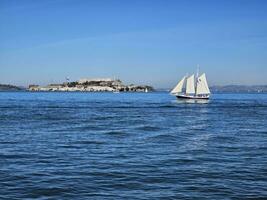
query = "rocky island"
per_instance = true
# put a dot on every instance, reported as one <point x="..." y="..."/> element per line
<point x="93" y="85"/>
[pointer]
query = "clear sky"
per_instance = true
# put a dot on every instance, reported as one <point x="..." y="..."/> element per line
<point x="139" y="41"/>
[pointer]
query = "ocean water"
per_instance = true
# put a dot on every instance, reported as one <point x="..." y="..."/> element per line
<point x="132" y="146"/>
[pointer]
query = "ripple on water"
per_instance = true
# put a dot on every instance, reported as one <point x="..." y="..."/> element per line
<point x="132" y="146"/>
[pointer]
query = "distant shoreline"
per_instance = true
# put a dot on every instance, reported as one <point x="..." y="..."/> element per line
<point x="155" y="91"/>
<point x="227" y="89"/>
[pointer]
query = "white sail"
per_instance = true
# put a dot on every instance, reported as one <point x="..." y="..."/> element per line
<point x="202" y="85"/>
<point x="190" y="85"/>
<point x="179" y="87"/>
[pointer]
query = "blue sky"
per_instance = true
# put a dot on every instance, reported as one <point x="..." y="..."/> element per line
<point x="152" y="42"/>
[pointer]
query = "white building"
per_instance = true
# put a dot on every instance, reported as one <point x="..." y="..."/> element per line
<point x="84" y="80"/>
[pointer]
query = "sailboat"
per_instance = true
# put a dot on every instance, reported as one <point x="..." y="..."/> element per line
<point x="192" y="87"/>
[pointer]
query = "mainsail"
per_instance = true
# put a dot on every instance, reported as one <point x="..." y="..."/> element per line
<point x="202" y="85"/>
<point x="190" y="85"/>
<point x="179" y="87"/>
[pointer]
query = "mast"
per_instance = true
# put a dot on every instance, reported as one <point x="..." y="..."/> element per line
<point x="197" y="71"/>
<point x="196" y="81"/>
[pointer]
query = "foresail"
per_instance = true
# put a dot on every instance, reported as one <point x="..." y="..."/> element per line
<point x="178" y="88"/>
<point x="190" y="85"/>
<point x="202" y="85"/>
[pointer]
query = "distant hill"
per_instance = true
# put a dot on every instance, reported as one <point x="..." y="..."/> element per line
<point x="239" y="89"/>
<point x="5" y="87"/>
<point x="214" y="89"/>
<point x="231" y="89"/>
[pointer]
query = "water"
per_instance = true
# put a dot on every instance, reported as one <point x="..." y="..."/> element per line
<point x="132" y="146"/>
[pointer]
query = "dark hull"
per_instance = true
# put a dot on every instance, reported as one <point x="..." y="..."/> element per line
<point x="191" y="97"/>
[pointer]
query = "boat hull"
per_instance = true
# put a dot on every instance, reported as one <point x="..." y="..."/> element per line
<point x="192" y="97"/>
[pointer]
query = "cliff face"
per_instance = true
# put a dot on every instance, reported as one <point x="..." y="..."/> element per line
<point x="93" y="85"/>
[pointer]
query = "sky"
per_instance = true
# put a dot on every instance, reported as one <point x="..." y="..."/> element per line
<point x="154" y="42"/>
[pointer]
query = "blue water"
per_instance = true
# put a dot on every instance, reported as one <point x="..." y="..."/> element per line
<point x="132" y="146"/>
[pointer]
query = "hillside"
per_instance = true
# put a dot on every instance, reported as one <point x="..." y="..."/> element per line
<point x="240" y="89"/>
<point x="6" y="87"/>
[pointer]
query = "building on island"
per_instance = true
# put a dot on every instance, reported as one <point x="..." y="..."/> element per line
<point x="92" y="85"/>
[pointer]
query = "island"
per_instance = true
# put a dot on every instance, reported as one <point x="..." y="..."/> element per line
<point x="93" y="85"/>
